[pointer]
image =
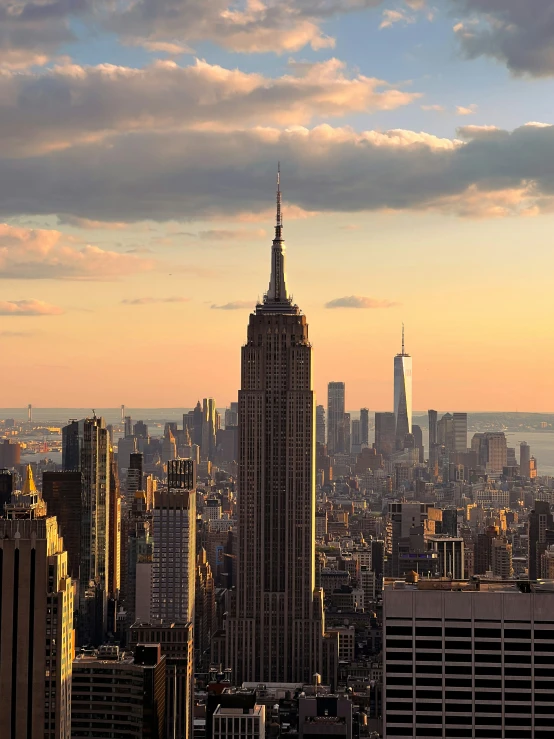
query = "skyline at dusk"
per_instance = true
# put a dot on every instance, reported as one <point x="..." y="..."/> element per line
<point x="138" y="153"/>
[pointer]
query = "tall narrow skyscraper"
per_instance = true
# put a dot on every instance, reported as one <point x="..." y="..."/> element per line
<point x="335" y="418"/>
<point x="86" y="449"/>
<point x="364" y="427"/>
<point x="403" y="394"/>
<point x="275" y="630"/>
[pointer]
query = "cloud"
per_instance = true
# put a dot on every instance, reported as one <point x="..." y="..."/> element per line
<point x="391" y="17"/>
<point x="235" y="305"/>
<point x="59" y="107"/>
<point x="436" y="108"/>
<point x="253" y="26"/>
<point x="517" y="33"/>
<point x="27" y="253"/>
<point x="28" y="308"/>
<point x="30" y="32"/>
<point x="470" y="110"/>
<point x="150" y="301"/>
<point x="202" y="174"/>
<point x="359" y="301"/>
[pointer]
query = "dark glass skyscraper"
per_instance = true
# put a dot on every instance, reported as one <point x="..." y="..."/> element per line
<point x="275" y="631"/>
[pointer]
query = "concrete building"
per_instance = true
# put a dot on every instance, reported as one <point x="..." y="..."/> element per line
<point x="468" y="659"/>
<point x="36" y="623"/>
<point x="10" y="454"/>
<point x="336" y="442"/>
<point x="176" y="643"/>
<point x="459" y="423"/>
<point x="402" y="394"/>
<point x="364" y="427"/>
<point x="86" y="449"/>
<point x="173" y="556"/>
<point x="116" y="694"/>
<point x="385" y="433"/>
<point x="524" y="459"/>
<point x="404" y="519"/>
<point x="320" y="427"/>
<point x="540" y="520"/>
<point x="62" y="493"/>
<point x="501" y="559"/>
<point x="238" y="723"/>
<point x="276" y="625"/>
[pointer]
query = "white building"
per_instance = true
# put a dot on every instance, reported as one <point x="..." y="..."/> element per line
<point x="403" y="393"/>
<point x="468" y="659"/>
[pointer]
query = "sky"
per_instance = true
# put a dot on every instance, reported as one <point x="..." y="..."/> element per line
<point x="139" y="142"/>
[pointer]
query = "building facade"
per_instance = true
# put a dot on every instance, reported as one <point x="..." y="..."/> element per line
<point x="336" y="442"/>
<point x="275" y="630"/>
<point x="403" y="394"/>
<point x="36" y="630"/>
<point x="465" y="659"/>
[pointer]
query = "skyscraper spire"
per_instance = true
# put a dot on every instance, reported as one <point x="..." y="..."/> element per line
<point x="403" y="352"/>
<point x="279" y="220"/>
<point x="277" y="292"/>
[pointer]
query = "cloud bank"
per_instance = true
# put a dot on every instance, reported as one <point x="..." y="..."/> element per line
<point x="151" y="301"/>
<point x="59" y="107"/>
<point x="202" y="174"/>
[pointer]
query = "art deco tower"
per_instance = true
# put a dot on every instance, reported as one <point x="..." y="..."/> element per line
<point x="275" y="631"/>
<point x="403" y="394"/>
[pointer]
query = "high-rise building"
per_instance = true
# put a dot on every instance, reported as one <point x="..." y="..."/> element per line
<point x="86" y="449"/>
<point x="209" y="428"/>
<point x="174" y="553"/>
<point x="128" y="426"/>
<point x="275" y="631"/>
<point x="385" y="433"/>
<point x="467" y="659"/>
<point x="181" y="474"/>
<point x="134" y="480"/>
<point x="524" y="459"/>
<point x="169" y="447"/>
<point x="491" y="449"/>
<point x="540" y="520"/>
<point x="176" y="642"/>
<point x="36" y="623"/>
<point x="501" y="558"/>
<point x="460" y="432"/>
<point x="364" y="427"/>
<point x="320" y="435"/>
<point x="62" y="493"/>
<point x="403" y="393"/>
<point x="7" y="486"/>
<point x="10" y="454"/>
<point x="204" y="616"/>
<point x="450" y="549"/>
<point x="404" y="518"/>
<point x="335" y="418"/>
<point x="417" y="433"/>
<point x="140" y="430"/>
<point x="433" y="416"/>
<point x="355" y="437"/>
<point x="347" y="434"/>
<point x="116" y="694"/>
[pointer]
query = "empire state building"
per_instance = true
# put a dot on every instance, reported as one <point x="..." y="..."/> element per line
<point x="276" y="627"/>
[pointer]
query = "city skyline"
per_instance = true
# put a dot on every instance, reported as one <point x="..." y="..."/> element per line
<point x="414" y="156"/>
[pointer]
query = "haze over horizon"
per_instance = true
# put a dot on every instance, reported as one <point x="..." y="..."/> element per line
<point x="138" y="153"/>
